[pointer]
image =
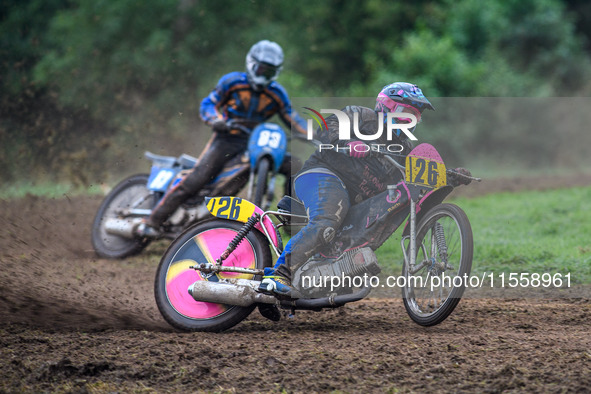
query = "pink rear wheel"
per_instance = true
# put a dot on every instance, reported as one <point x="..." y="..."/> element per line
<point x="203" y="243"/>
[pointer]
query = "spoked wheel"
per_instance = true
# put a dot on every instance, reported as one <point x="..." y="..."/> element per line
<point x="131" y="193"/>
<point x="444" y="253"/>
<point x="203" y="243"/>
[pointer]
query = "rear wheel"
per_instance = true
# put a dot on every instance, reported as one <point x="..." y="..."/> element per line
<point x="129" y="193"/>
<point x="444" y="253"/>
<point x="203" y="243"/>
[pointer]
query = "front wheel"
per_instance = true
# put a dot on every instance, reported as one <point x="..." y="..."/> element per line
<point x="443" y="260"/>
<point x="131" y="193"/>
<point x="204" y="243"/>
<point x="261" y="187"/>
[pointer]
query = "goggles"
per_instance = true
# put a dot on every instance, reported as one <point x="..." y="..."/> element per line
<point x="265" y="70"/>
<point x="396" y="107"/>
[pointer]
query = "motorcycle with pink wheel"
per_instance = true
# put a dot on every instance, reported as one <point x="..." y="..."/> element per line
<point x="209" y="279"/>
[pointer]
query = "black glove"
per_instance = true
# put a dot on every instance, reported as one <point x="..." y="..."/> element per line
<point x="456" y="179"/>
<point x="220" y="126"/>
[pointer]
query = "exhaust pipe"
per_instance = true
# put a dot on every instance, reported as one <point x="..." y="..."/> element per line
<point x="242" y="292"/>
<point x="316" y="304"/>
<point x="122" y="227"/>
<point x="239" y="292"/>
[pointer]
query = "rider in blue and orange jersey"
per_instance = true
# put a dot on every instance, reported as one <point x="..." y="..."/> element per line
<point x="250" y="98"/>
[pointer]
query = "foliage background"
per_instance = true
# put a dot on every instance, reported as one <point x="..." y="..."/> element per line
<point x="87" y="86"/>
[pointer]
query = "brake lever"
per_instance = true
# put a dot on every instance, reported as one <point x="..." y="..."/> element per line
<point x="459" y="174"/>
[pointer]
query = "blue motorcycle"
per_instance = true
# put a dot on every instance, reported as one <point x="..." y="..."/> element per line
<point x="134" y="198"/>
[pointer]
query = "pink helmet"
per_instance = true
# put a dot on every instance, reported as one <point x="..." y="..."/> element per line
<point x="402" y="97"/>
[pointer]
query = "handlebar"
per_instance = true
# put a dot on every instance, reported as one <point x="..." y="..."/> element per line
<point x="393" y="161"/>
<point x="236" y="124"/>
<point x="460" y="175"/>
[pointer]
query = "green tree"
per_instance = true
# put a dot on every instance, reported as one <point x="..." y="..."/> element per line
<point x="22" y="28"/>
<point x="122" y="73"/>
<point x="509" y="48"/>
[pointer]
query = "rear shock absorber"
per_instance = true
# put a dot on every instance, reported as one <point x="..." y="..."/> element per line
<point x="249" y="225"/>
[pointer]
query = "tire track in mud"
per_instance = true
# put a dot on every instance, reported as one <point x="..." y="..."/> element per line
<point x="50" y="277"/>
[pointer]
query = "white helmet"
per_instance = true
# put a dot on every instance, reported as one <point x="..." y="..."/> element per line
<point x="264" y="62"/>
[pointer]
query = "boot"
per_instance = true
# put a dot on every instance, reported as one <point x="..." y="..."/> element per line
<point x="275" y="281"/>
<point x="145" y="229"/>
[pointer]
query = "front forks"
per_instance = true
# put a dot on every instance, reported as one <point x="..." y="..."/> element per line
<point x="412" y="237"/>
<point x="438" y="234"/>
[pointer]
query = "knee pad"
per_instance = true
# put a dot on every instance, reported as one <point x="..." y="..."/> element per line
<point x="328" y="234"/>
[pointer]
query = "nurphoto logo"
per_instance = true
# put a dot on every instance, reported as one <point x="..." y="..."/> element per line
<point x="345" y="130"/>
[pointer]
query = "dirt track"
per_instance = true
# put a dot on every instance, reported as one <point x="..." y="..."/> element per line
<point x="74" y="323"/>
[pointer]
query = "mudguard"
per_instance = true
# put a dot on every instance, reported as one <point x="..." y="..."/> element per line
<point x="240" y="210"/>
<point x="431" y="199"/>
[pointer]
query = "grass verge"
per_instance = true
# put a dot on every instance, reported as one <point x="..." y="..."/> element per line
<point x="531" y="232"/>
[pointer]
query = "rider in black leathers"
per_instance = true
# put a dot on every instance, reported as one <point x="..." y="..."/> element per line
<point x="333" y="180"/>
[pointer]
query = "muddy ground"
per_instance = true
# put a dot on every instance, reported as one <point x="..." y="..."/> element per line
<point x="71" y="322"/>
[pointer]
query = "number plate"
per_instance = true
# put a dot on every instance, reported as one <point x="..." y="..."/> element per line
<point x="425" y="172"/>
<point x="233" y="208"/>
<point x="160" y="178"/>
